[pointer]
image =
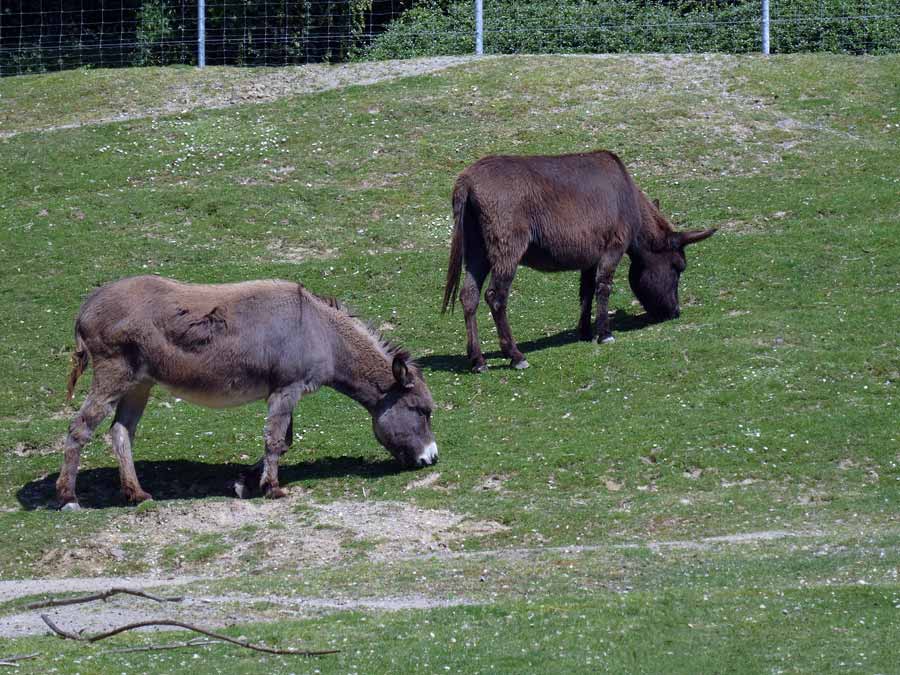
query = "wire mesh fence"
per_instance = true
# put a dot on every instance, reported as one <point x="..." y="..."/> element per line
<point x="46" y="35"/>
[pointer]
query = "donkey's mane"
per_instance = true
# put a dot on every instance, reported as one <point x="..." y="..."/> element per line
<point x="391" y="349"/>
<point x="656" y="227"/>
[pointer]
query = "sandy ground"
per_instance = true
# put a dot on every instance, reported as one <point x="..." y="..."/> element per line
<point x="266" y="535"/>
<point x="206" y="611"/>
<point x="211" y="610"/>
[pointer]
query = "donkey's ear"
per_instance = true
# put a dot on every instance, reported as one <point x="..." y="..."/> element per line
<point x="693" y="236"/>
<point x="401" y="372"/>
<point x="656" y="204"/>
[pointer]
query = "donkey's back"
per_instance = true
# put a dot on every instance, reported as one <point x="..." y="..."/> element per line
<point x="140" y="303"/>
<point x="219" y="345"/>
<point x="550" y="212"/>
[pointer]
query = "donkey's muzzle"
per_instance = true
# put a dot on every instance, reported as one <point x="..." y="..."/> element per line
<point x="428" y="456"/>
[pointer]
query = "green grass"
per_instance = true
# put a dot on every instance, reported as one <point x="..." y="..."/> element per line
<point x="769" y="405"/>
<point x="635" y="611"/>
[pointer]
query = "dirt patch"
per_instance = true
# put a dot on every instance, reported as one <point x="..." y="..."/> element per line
<point x="20" y="588"/>
<point x="231" y="535"/>
<point x="283" y="253"/>
<point x="702" y="544"/>
<point x="420" y="483"/>
<point x="493" y="483"/>
<point x="740" y="538"/>
<point x="737" y="128"/>
<point x="31" y="450"/>
<point x="397" y="529"/>
<point x="206" y="610"/>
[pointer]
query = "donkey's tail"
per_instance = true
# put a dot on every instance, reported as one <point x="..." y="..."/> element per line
<point x="454" y="267"/>
<point x="79" y="364"/>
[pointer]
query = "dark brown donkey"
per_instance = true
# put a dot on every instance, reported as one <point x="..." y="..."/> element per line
<point x="554" y="213"/>
<point x="229" y="344"/>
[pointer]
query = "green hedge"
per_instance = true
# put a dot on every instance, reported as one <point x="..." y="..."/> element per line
<point x="571" y="26"/>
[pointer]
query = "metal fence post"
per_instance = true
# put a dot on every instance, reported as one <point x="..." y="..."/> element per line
<point x="201" y="33"/>
<point x="479" y="27"/>
<point x="765" y="26"/>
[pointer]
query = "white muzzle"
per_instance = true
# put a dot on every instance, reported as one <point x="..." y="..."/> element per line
<point x="428" y="456"/>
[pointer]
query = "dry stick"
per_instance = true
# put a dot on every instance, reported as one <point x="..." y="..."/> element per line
<point x="179" y="624"/>
<point x="11" y="661"/>
<point x="100" y="596"/>
<point x="59" y="631"/>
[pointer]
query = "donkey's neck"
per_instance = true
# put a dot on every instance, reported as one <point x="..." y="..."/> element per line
<point x="652" y="233"/>
<point x="362" y="368"/>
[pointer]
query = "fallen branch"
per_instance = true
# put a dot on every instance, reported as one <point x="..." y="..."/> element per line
<point x="12" y="661"/>
<point x="59" y="631"/>
<point x="100" y="596"/>
<point x="180" y="624"/>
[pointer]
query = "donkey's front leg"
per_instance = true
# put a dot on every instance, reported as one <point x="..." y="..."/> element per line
<point x="278" y="424"/>
<point x="587" y="291"/>
<point x="605" y="271"/>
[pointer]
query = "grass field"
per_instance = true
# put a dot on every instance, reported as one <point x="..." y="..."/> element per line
<point x="713" y="494"/>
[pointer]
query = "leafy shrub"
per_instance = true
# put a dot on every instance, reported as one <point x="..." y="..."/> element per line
<point x="604" y="26"/>
<point x="155" y="25"/>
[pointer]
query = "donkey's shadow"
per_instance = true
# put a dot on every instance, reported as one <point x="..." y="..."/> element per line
<point x="620" y="322"/>
<point x="184" y="479"/>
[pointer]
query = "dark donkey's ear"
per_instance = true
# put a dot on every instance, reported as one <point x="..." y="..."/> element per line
<point x="401" y="372"/>
<point x="693" y="236"/>
<point x="656" y="204"/>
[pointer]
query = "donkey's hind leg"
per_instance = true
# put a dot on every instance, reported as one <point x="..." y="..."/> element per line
<point x="477" y="268"/>
<point x="111" y="380"/>
<point x="128" y="414"/>
<point x="497" y="296"/>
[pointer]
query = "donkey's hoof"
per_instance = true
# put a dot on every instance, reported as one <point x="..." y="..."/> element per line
<point x="275" y="493"/>
<point x="138" y="496"/>
<point x="479" y="367"/>
<point x="240" y="489"/>
<point x="520" y="365"/>
<point x="605" y="340"/>
<point x="70" y="506"/>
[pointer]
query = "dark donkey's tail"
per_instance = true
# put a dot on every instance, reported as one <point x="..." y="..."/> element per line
<point x="79" y="364"/>
<point x="454" y="267"/>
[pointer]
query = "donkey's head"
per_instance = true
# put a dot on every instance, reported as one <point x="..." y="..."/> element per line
<point x="402" y="417"/>
<point x="657" y="265"/>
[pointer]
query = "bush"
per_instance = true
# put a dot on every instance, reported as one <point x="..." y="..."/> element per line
<point x="604" y="26"/>
<point x="155" y="25"/>
<point x="427" y="30"/>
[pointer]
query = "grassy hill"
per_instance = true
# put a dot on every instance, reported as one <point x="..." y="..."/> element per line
<point x="717" y="493"/>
